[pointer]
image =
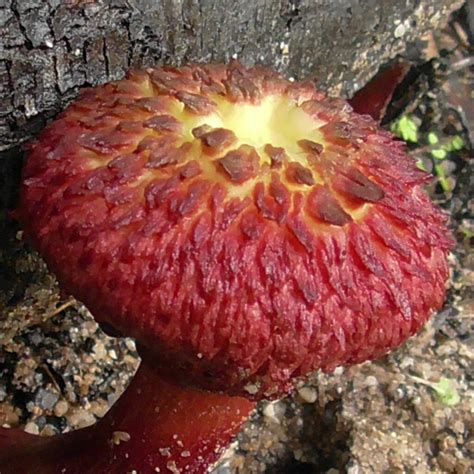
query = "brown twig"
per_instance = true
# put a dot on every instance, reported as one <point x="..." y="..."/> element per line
<point x="46" y="368"/>
<point x="58" y="310"/>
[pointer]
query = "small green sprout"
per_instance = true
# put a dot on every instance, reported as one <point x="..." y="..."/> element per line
<point x="456" y="144"/>
<point x="439" y="153"/>
<point x="445" y="391"/>
<point x="443" y="181"/>
<point x="433" y="138"/>
<point x="440" y="150"/>
<point x="467" y="233"/>
<point x="406" y="128"/>
<point x="420" y="165"/>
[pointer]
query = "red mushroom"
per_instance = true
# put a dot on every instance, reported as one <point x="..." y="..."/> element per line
<point x="244" y="228"/>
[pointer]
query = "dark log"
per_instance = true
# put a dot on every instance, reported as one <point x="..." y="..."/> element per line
<point x="51" y="48"/>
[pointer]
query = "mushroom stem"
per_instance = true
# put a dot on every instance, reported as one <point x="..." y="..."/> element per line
<point x="374" y="98"/>
<point x="156" y="426"/>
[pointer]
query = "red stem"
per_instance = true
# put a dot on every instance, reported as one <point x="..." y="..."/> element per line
<point x="171" y="429"/>
<point x="373" y="98"/>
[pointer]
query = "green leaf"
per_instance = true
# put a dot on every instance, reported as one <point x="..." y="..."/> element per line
<point x="432" y="138"/>
<point x="457" y="143"/>
<point x="421" y="165"/>
<point x="446" y="393"/>
<point x="442" y="178"/>
<point x="439" y="153"/>
<point x="406" y="128"/>
<point x="467" y="233"/>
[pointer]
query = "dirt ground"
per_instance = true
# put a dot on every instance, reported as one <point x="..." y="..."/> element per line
<point x="412" y="411"/>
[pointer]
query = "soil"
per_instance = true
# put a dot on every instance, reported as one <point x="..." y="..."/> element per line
<point x="412" y="411"/>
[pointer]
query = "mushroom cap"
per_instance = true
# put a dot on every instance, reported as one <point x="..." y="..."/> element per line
<point x="245" y="228"/>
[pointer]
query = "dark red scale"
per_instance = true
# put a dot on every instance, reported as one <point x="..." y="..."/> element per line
<point x="240" y="165"/>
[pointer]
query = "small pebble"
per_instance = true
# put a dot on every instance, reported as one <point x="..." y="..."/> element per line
<point x="46" y="399"/>
<point x="171" y="465"/>
<point x="371" y="381"/>
<point x="32" y="428"/>
<point x="99" y="350"/>
<point x="165" y="452"/>
<point x="120" y="437"/>
<point x="458" y="426"/>
<point x="399" y="31"/>
<point x="251" y="388"/>
<point x="82" y="418"/>
<point x="269" y="412"/>
<point x="48" y="430"/>
<point x="354" y="470"/>
<point x="338" y="370"/>
<point x="61" y="408"/>
<point x="99" y="408"/>
<point x="130" y="344"/>
<point x="308" y="394"/>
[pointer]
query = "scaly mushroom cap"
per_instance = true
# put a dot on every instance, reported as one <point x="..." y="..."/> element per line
<point x="248" y="229"/>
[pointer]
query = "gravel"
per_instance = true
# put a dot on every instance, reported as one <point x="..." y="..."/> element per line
<point x="63" y="374"/>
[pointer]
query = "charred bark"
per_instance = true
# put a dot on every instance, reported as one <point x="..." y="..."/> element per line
<point x="51" y="48"/>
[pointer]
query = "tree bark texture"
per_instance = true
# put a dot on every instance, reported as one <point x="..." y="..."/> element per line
<point x="51" y="48"/>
